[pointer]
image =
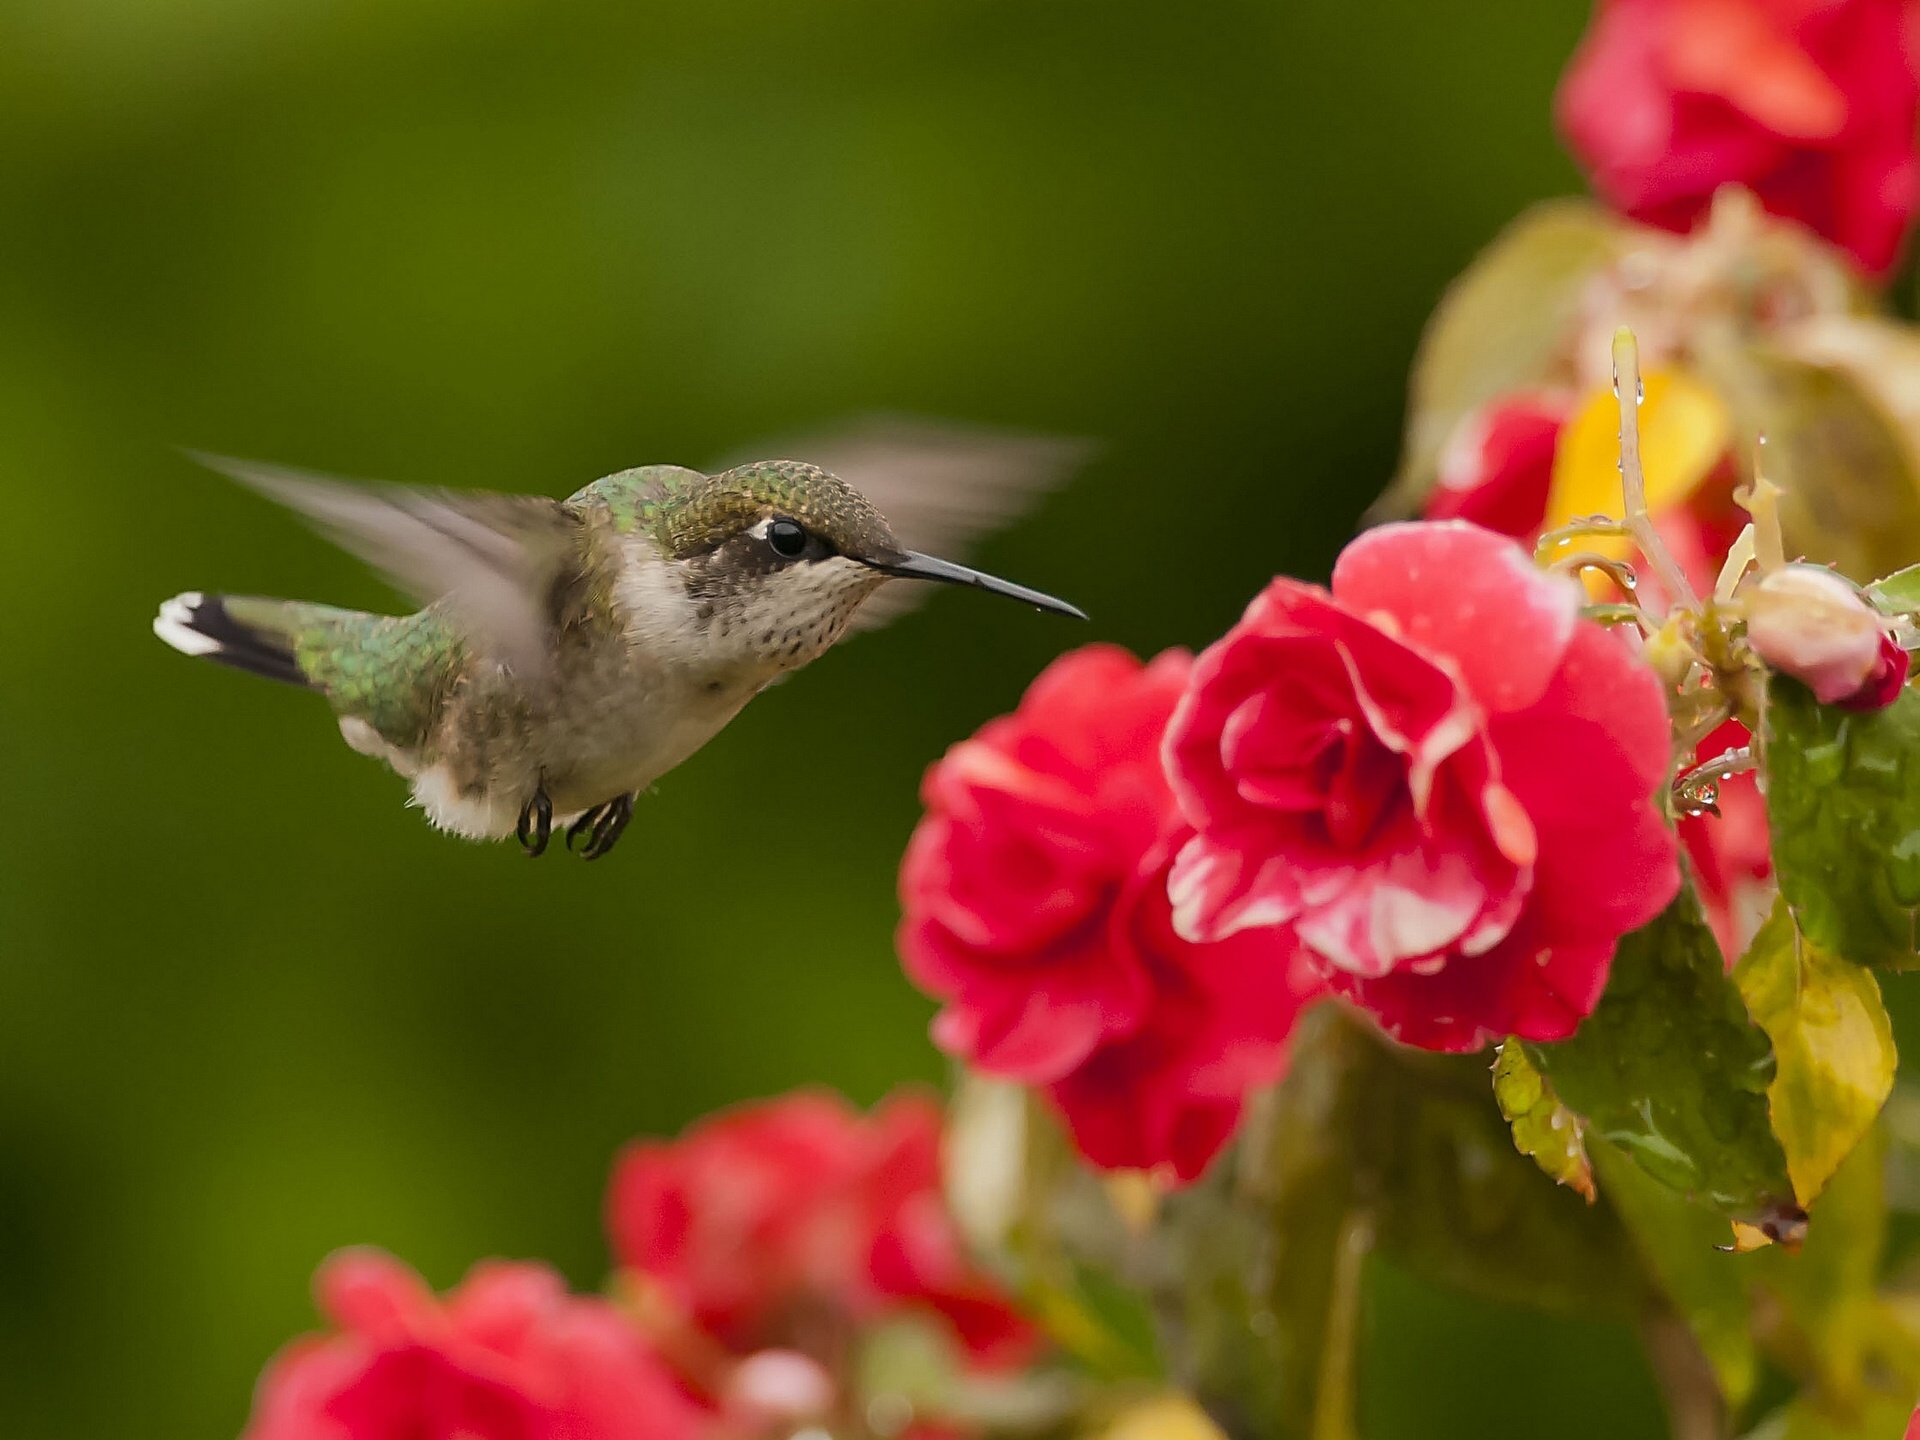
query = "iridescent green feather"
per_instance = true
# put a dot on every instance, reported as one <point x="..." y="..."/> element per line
<point x="388" y="670"/>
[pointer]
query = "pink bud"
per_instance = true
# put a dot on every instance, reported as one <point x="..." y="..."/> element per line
<point x="1809" y="623"/>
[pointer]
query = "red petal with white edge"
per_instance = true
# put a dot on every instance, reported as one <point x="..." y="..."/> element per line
<point x="1468" y="594"/>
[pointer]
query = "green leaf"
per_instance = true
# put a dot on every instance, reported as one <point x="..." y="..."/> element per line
<point x="1501" y="326"/>
<point x="1542" y="1126"/>
<point x="1670" y="1068"/>
<point x="1679" y="1243"/>
<point x="1832" y="1047"/>
<point x="1899" y="593"/>
<point x="1843" y="802"/>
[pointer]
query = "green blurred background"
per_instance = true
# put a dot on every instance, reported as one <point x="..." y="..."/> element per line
<point x="250" y="1008"/>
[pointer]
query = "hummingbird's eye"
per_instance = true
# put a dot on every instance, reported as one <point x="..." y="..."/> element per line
<point x="787" y="537"/>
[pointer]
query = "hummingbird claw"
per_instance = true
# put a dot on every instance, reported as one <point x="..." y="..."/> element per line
<point x="536" y="823"/>
<point x="602" y="825"/>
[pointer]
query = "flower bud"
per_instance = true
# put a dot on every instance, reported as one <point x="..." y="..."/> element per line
<point x="1806" y="621"/>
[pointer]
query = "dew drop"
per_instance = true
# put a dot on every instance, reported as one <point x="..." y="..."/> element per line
<point x="1640" y="398"/>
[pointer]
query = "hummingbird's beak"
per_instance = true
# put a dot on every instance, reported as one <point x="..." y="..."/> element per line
<point x="915" y="566"/>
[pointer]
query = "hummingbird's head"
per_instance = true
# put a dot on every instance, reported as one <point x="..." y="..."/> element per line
<point x="778" y="555"/>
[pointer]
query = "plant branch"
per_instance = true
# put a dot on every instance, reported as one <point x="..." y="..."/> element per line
<point x="1633" y="481"/>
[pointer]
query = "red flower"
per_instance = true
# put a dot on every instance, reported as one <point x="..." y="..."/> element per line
<point x="1730" y="851"/>
<point x="1437" y="776"/>
<point x="1497" y="468"/>
<point x="508" y="1356"/>
<point x="1809" y="103"/>
<point x="1170" y="1093"/>
<point x="1033" y="828"/>
<point x="787" y="1222"/>
<point x="1035" y="905"/>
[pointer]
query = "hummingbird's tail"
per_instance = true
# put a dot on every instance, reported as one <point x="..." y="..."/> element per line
<point x="240" y="631"/>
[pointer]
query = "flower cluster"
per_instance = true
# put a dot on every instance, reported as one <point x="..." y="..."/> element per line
<point x="754" y="1253"/>
<point x="793" y="1223"/>
<point x="1812" y="106"/>
<point x="510" y="1355"/>
<point x="1433" y="789"/>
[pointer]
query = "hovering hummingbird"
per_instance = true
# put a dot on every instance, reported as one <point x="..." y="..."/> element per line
<point x="571" y="652"/>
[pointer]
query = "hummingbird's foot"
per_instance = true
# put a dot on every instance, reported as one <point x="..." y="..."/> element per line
<point x="536" y="823"/>
<point x="601" y="826"/>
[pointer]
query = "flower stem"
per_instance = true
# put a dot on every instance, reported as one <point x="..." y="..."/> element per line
<point x="1633" y="480"/>
<point x="1333" y="1401"/>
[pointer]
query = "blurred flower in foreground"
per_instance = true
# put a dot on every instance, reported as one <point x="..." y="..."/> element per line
<point x="1035" y="905"/>
<point x="1811" y="624"/>
<point x="1809" y="103"/>
<point x="1438" y="776"/>
<point x="793" y="1223"/>
<point x="509" y="1355"/>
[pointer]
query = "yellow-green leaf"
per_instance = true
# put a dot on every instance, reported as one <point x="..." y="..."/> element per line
<point x="1162" y="1417"/>
<point x="1846" y="466"/>
<point x="1542" y="1127"/>
<point x="1832" y="1047"/>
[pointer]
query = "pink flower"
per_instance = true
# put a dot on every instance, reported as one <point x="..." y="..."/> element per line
<point x="1438" y="778"/>
<point x="1035" y="905"/>
<point x="508" y="1356"/>
<point x="1809" y="103"/>
<point x="779" y="1223"/>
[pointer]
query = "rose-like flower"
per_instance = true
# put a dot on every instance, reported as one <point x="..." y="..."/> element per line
<point x="508" y="1356"/>
<point x="1035" y="906"/>
<point x="1808" y="103"/>
<point x="1811" y="624"/>
<point x="1033" y="829"/>
<point x="1437" y="776"/>
<point x="1171" y="1092"/>
<point x="777" y="1223"/>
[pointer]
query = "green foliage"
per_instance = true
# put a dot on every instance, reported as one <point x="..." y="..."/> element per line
<point x="1843" y="801"/>
<point x="1682" y="1246"/>
<point x="1542" y="1126"/>
<point x="1833" y="1050"/>
<point x="1898" y="593"/>
<point x="1670" y="1068"/>
<point x="1365" y="1144"/>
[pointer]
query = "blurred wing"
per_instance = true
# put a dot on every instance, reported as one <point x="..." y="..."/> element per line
<point x="941" y="486"/>
<point x="494" y="559"/>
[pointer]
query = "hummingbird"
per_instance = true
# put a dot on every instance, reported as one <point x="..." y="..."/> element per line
<point x="571" y="652"/>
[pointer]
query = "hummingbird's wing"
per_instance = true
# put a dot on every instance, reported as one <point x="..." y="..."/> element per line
<point x="495" y="559"/>
<point x="940" y="485"/>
